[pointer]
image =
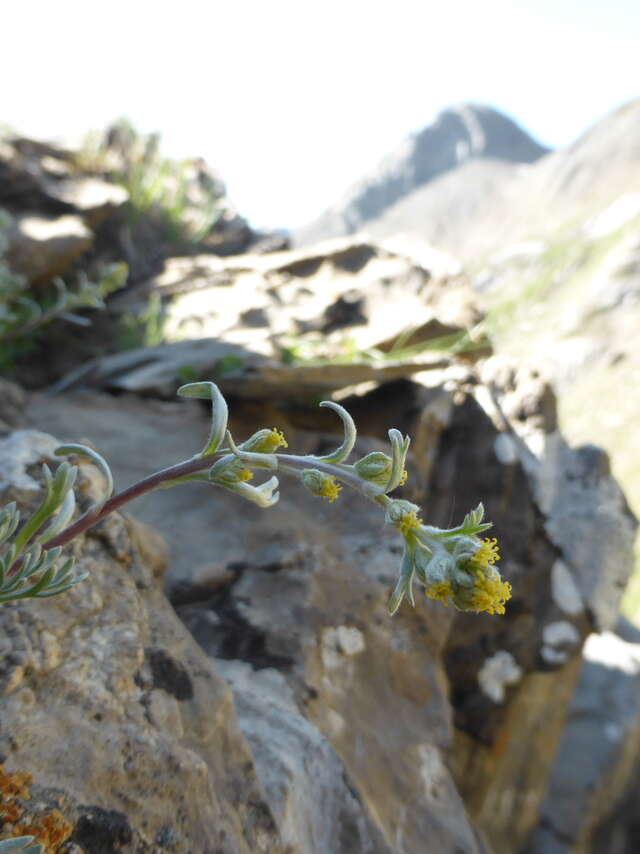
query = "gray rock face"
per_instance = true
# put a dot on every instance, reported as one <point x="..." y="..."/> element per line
<point x="429" y="713"/>
<point x="458" y="134"/>
<point x="304" y="322"/>
<point x="110" y="664"/>
<point x="591" y="803"/>
<point x="41" y="249"/>
<point x="113" y="709"/>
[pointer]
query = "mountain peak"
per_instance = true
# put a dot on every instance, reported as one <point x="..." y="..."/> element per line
<point x="460" y="132"/>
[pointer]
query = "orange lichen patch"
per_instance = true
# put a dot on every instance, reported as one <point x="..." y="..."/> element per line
<point x="14" y="785"/>
<point x="51" y="829"/>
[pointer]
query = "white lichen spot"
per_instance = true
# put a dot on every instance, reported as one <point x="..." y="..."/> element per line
<point x="51" y="653"/>
<point x="350" y="640"/>
<point x="564" y="589"/>
<point x="338" y="642"/>
<point x="561" y="633"/>
<point x="497" y="672"/>
<point x="554" y="656"/>
<point x="335" y="722"/>
<point x="433" y="772"/>
<point x="505" y="449"/>
<point x="560" y="639"/>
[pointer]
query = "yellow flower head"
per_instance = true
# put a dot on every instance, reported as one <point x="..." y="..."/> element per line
<point x="264" y="442"/>
<point x="489" y="592"/>
<point x="441" y="592"/>
<point x="409" y="522"/>
<point x="403" y="515"/>
<point x="323" y="485"/>
<point x="487" y="555"/>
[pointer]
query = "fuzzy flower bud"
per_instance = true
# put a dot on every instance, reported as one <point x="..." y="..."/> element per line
<point x="376" y="467"/>
<point x="228" y="471"/>
<point x="403" y="515"/>
<point x="321" y="484"/>
<point x="264" y="442"/>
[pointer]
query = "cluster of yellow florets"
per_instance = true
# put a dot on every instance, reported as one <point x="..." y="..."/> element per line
<point x="441" y="592"/>
<point x="321" y="484"/>
<point x="489" y="592"/>
<point x="485" y="590"/>
<point x="408" y="522"/>
<point x="265" y="442"/>
<point x="331" y="490"/>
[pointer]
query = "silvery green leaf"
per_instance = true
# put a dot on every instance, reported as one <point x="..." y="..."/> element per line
<point x="41" y="584"/>
<point x="97" y="459"/>
<point x="19" y="844"/>
<point x="61" y="520"/>
<point x="219" y="412"/>
<point x="265" y="495"/>
<point x="350" y="434"/>
<point x="9" y="520"/>
<point x="399" y="448"/>
<point x="64" y="479"/>
<point x="404" y="587"/>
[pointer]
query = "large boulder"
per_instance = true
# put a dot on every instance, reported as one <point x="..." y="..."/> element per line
<point x="297" y="323"/>
<point x="591" y="804"/>
<point x="430" y="712"/>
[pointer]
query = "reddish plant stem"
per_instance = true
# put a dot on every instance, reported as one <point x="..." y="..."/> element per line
<point x="147" y="484"/>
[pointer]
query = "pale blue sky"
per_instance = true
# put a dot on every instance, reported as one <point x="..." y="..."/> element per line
<point x="292" y="100"/>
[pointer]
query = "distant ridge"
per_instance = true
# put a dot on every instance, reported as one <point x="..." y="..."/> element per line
<point x="459" y="134"/>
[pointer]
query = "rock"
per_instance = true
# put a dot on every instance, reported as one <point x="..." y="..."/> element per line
<point x="302" y="291"/>
<point x="12" y="403"/>
<point x="43" y="248"/>
<point x="161" y="370"/>
<point x="298" y="595"/>
<point x="304" y="322"/>
<point x="573" y="488"/>
<point x="128" y="675"/>
<point x="109" y="664"/>
<point x="591" y="802"/>
<point x="93" y="198"/>
<point x="512" y="680"/>
<point x="27" y="169"/>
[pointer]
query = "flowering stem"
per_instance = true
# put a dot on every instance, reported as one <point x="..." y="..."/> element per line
<point x="136" y="490"/>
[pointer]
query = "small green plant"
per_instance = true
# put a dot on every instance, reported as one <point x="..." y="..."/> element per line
<point x="21" y="312"/>
<point x="181" y="197"/>
<point x="315" y="350"/>
<point x="145" y="329"/>
<point x="455" y="566"/>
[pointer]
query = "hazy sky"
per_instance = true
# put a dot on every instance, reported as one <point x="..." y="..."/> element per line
<point x="292" y="100"/>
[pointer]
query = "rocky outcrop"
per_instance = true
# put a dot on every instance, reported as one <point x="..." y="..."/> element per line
<point x="71" y="206"/>
<point x="460" y="133"/>
<point x="111" y="707"/>
<point x="485" y="203"/>
<point x="427" y="716"/>
<point x="304" y="322"/>
<point x="591" y="805"/>
<point x="56" y="208"/>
